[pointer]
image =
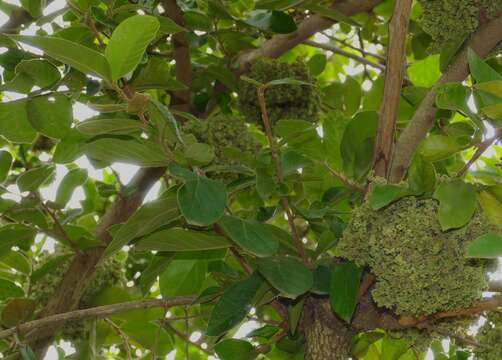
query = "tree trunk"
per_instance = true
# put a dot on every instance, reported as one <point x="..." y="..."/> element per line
<point x="326" y="336"/>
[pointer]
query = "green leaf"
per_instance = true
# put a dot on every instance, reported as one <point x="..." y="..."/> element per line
<point x="9" y="290"/>
<point x="425" y="72"/>
<point x="487" y="246"/>
<point x="32" y="179"/>
<point x="34" y="7"/>
<point x="32" y="72"/>
<point x="344" y="287"/>
<point x="317" y="64"/>
<point x="71" y="180"/>
<point x="233" y="305"/>
<point x="231" y="349"/>
<point x="383" y="194"/>
<point x="177" y="239"/>
<point x="148" y="218"/>
<point x="457" y="203"/>
<point x="52" y="115"/>
<point x="274" y="21"/>
<point x="202" y="200"/>
<point x="493" y="111"/>
<point x="138" y="152"/>
<point x="492" y="207"/>
<point x="199" y="154"/>
<point x="453" y="96"/>
<point x="5" y="163"/>
<point x="168" y="26"/>
<point x="252" y="236"/>
<point x="480" y="70"/>
<point x="17" y="311"/>
<point x="329" y="12"/>
<point x="287" y="81"/>
<point x="128" y="43"/>
<point x="77" y="56"/>
<point x="288" y="275"/>
<point x="15" y="235"/>
<point x="183" y="278"/>
<point x="115" y="126"/>
<point x="439" y="147"/>
<point x="493" y="87"/>
<point x="14" y="124"/>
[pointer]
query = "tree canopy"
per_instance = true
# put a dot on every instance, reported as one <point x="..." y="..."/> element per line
<point x="251" y="179"/>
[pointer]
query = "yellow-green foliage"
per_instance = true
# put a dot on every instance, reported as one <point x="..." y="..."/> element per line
<point x="452" y="20"/>
<point x="420" y="269"/>
<point x="490" y="337"/>
<point x="51" y="268"/>
<point x="221" y="132"/>
<point x="283" y="101"/>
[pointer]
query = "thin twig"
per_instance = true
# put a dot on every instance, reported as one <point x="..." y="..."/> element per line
<point x="186" y="338"/>
<point x="394" y="74"/>
<point x="98" y="312"/>
<point x="345" y="180"/>
<point x="123" y="336"/>
<point x="361" y="51"/>
<point x="480" y="149"/>
<point x="278" y="172"/>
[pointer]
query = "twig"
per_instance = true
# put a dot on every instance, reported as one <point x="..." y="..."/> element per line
<point x="98" y="312"/>
<point x="123" y="336"/>
<point x="361" y="51"/>
<point x="476" y="309"/>
<point x="337" y="50"/>
<point x="480" y="149"/>
<point x="345" y="180"/>
<point x="396" y="57"/>
<point x="186" y="338"/>
<point x="278" y="172"/>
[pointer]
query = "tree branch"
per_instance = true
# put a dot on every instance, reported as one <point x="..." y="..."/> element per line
<point x="482" y="42"/>
<point x="480" y="149"/>
<point x="95" y="312"/>
<point x="396" y="58"/>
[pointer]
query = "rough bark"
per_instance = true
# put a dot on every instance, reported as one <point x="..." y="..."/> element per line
<point x="326" y="336"/>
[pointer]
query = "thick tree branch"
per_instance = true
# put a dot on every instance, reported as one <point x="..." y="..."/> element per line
<point x="396" y="57"/>
<point x="482" y="42"/>
<point x="95" y="312"/>
<point x="184" y="73"/>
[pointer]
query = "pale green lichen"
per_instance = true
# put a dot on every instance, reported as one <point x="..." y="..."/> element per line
<point x="420" y="269"/>
<point x="448" y="21"/>
<point x="490" y="338"/>
<point x="286" y="101"/>
<point x="50" y="269"/>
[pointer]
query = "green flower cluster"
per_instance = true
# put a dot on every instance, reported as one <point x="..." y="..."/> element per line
<point x="420" y="269"/>
<point x="48" y="273"/>
<point x="287" y="101"/>
<point x="490" y="337"/>
<point x="222" y="132"/>
<point x="452" y="20"/>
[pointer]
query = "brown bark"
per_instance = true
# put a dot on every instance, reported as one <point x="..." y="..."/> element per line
<point x="326" y="336"/>
<point x="482" y="42"/>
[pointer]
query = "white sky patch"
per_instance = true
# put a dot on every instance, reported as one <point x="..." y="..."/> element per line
<point x="82" y="112"/>
<point x="125" y="171"/>
<point x="246" y="328"/>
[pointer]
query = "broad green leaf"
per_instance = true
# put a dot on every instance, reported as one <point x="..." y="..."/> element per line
<point x="344" y="287"/>
<point x="52" y="115"/>
<point x="32" y="179"/>
<point x="383" y="194"/>
<point x="17" y="311"/>
<point x="421" y="176"/>
<point x="317" y="64"/>
<point x="115" y="126"/>
<point x="5" y="163"/>
<point x="168" y="26"/>
<point x="71" y="180"/>
<point x="480" y="70"/>
<point x="183" y="278"/>
<point x="32" y="72"/>
<point x="157" y="75"/>
<point x="493" y="111"/>
<point x="492" y="207"/>
<point x="233" y="305"/>
<point x="149" y="335"/>
<point x="425" y="72"/>
<point x="288" y="275"/>
<point x="231" y="349"/>
<point x="274" y="21"/>
<point x="199" y="154"/>
<point x="202" y="200"/>
<point x="493" y="87"/>
<point x="487" y="246"/>
<point x="453" y="96"/>
<point x="15" y="235"/>
<point x="14" y="124"/>
<point x="457" y="203"/>
<point x="80" y="57"/>
<point x="138" y="152"/>
<point x="148" y="218"/>
<point x="9" y="290"/>
<point x="34" y="7"/>
<point x="128" y="43"/>
<point x="394" y="349"/>
<point x="16" y="260"/>
<point x="252" y="236"/>
<point x="438" y="147"/>
<point x="177" y="239"/>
